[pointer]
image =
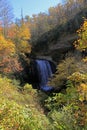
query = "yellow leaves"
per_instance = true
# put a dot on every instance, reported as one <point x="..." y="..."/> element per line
<point x="81" y="97"/>
<point x="83" y="86"/>
<point x="24" y="47"/>
<point x="6" y="45"/>
<point x="77" y="77"/>
<point x="24" y="32"/>
<point x="20" y="32"/>
<point x="85" y="59"/>
<point x="81" y="43"/>
<point x="82" y="90"/>
<point x="80" y="83"/>
<point x="21" y="36"/>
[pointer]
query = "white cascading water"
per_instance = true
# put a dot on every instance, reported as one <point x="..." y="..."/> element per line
<point x="45" y="72"/>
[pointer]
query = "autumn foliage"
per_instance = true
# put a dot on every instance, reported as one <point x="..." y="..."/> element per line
<point x="8" y="58"/>
<point x="16" y="42"/>
<point x="20" y="34"/>
<point x="81" y="43"/>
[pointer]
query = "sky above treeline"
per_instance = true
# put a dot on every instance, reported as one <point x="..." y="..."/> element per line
<point x="30" y="7"/>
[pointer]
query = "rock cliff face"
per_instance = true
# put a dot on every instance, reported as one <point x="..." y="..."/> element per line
<point x="62" y="46"/>
<point x="58" y="41"/>
<point x="56" y="50"/>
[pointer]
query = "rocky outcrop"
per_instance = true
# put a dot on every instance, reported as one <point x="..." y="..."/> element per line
<point x="55" y="52"/>
<point x="58" y="41"/>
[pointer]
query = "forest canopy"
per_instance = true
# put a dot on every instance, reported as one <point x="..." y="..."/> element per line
<point x="23" y="107"/>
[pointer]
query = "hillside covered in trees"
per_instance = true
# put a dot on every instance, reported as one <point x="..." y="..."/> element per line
<point x="60" y="34"/>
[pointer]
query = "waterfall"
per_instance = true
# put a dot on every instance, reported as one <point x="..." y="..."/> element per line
<point x="44" y="72"/>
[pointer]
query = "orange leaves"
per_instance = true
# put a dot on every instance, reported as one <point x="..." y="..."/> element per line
<point x="8" y="58"/>
<point x="20" y="34"/>
<point x="12" y="31"/>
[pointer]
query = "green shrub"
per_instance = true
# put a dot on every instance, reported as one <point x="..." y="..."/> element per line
<point x="20" y="110"/>
<point x="64" y="69"/>
<point x="68" y="110"/>
<point x="65" y="119"/>
<point x="14" y="116"/>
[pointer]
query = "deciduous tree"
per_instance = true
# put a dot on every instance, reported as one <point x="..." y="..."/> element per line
<point x="6" y="15"/>
<point x="8" y="58"/>
<point x="20" y="34"/>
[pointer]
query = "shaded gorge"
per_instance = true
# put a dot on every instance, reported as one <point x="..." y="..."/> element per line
<point x="40" y="72"/>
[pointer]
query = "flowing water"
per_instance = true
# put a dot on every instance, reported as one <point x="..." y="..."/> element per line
<point x="44" y="72"/>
